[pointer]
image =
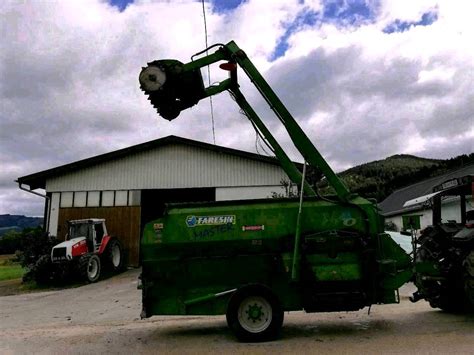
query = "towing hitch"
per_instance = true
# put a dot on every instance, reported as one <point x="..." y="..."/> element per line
<point x="416" y="297"/>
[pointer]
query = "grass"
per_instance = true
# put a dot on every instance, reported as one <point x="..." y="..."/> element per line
<point x="11" y="282"/>
<point x="9" y="269"/>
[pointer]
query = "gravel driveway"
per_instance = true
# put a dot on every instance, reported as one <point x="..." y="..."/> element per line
<point x="104" y="318"/>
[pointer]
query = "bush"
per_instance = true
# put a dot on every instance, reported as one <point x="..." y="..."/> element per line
<point x="34" y="243"/>
<point x="390" y="226"/>
<point x="10" y="242"/>
<point x="28" y="246"/>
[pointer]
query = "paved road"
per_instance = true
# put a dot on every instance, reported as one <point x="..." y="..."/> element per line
<point x="104" y="318"/>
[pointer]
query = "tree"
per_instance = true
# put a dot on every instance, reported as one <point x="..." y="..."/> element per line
<point x="289" y="190"/>
<point x="10" y="242"/>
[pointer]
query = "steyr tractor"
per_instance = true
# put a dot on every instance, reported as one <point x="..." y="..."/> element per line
<point x="87" y="251"/>
<point x="253" y="260"/>
<point x="444" y="251"/>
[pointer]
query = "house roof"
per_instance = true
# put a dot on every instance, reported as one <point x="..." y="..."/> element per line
<point x="393" y="204"/>
<point x="38" y="180"/>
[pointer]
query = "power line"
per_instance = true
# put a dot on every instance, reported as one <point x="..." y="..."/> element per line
<point x="208" y="72"/>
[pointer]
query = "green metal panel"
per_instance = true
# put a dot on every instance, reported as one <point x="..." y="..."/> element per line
<point x="277" y="218"/>
<point x="394" y="263"/>
<point x="198" y="251"/>
<point x="343" y="267"/>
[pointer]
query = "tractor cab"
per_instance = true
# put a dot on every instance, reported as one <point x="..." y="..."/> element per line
<point x="93" y="230"/>
<point x="451" y="203"/>
<point x="457" y="192"/>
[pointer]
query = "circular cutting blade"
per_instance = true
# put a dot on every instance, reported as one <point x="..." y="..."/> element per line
<point x="152" y="78"/>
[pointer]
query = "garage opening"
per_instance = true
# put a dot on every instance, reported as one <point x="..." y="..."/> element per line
<point x="153" y="201"/>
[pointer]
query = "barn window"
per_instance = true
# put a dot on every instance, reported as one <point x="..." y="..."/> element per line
<point x="121" y="198"/>
<point x="80" y="199"/>
<point x="66" y="199"/>
<point x="107" y="198"/>
<point x="93" y="199"/>
<point x="134" y="198"/>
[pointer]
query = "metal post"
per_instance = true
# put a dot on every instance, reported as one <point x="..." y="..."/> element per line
<point x="295" y="269"/>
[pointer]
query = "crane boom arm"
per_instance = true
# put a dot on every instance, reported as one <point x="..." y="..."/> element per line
<point x="173" y="86"/>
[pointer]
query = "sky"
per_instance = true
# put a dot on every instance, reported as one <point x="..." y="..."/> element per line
<point x="365" y="79"/>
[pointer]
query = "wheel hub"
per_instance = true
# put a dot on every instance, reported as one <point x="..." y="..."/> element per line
<point x="116" y="256"/>
<point x="254" y="312"/>
<point x="92" y="268"/>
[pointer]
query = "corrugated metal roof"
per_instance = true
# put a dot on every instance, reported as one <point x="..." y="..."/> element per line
<point x="172" y="166"/>
<point x="38" y="180"/>
<point x="393" y="204"/>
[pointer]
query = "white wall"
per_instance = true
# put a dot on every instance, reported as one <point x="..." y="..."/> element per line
<point x="245" y="192"/>
<point x="451" y="210"/>
<point x="168" y="167"/>
<point x="425" y="219"/>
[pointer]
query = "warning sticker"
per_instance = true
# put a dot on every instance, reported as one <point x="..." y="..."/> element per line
<point x="253" y="228"/>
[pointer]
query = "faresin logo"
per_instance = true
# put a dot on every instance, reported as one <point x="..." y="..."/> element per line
<point x="193" y="221"/>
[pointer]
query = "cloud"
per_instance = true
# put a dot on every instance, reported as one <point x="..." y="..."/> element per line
<point x="69" y="87"/>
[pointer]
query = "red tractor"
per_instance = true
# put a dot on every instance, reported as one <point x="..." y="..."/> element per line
<point x="87" y="251"/>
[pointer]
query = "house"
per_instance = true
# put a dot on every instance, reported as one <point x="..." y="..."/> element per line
<point x="393" y="206"/>
<point x="129" y="187"/>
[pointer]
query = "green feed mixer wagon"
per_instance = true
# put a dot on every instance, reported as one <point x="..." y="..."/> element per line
<point x="254" y="260"/>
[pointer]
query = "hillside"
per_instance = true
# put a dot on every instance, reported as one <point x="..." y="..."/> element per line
<point x="17" y="222"/>
<point x="380" y="178"/>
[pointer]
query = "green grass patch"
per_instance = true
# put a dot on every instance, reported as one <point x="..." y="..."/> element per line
<point x="9" y="269"/>
<point x="9" y="272"/>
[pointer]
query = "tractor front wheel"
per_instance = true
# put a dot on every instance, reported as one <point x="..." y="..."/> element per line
<point x="89" y="267"/>
<point x="43" y="270"/>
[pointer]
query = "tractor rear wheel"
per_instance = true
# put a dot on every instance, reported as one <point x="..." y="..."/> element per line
<point x="469" y="281"/>
<point x="113" y="256"/>
<point x="254" y="314"/>
<point x="89" y="267"/>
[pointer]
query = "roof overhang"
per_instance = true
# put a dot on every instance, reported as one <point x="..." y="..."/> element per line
<point x="420" y="200"/>
<point x="38" y="180"/>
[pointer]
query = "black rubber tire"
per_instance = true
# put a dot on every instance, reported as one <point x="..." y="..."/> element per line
<point x="270" y="329"/>
<point x="444" y="295"/>
<point x="450" y="299"/>
<point x="469" y="282"/>
<point x="109" y="258"/>
<point x="455" y="295"/>
<point x="43" y="270"/>
<point x="469" y="292"/>
<point x="86" y="266"/>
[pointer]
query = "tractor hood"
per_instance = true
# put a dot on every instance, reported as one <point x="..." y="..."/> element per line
<point x="69" y="249"/>
<point x="69" y="243"/>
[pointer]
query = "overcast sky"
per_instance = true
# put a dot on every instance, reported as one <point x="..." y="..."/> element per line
<point x="365" y="79"/>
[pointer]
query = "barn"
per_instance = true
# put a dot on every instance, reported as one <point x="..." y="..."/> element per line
<point x="129" y="187"/>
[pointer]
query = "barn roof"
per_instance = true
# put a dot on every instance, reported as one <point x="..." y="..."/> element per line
<point x="393" y="204"/>
<point x="38" y="180"/>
